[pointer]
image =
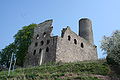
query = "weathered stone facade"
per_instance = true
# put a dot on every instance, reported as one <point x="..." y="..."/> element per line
<point x="69" y="47"/>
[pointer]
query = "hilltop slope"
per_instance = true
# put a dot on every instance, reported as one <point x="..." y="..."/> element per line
<point x="94" y="70"/>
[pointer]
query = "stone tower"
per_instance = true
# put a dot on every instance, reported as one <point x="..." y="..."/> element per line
<point x="85" y="29"/>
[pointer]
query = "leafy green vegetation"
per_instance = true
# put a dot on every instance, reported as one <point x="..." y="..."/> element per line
<point x="22" y="41"/>
<point x="19" y="47"/>
<point x="58" y="71"/>
<point x="111" y="46"/>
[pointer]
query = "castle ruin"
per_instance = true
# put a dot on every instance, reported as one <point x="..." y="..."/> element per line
<point x="69" y="47"/>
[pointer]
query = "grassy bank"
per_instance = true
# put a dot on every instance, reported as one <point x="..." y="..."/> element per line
<point x="60" y="71"/>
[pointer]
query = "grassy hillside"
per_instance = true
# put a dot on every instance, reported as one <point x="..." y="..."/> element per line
<point x="93" y="70"/>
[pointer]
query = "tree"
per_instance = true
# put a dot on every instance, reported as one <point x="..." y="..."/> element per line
<point x="6" y="53"/>
<point x="19" y="46"/>
<point x="22" y="42"/>
<point x="111" y="46"/>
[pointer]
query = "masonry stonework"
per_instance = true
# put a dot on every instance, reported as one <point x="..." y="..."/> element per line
<point x="69" y="47"/>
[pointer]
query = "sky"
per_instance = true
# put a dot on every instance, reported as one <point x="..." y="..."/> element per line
<point x="14" y="14"/>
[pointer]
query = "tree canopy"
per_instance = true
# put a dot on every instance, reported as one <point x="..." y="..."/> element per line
<point x="18" y="47"/>
<point x="111" y="46"/>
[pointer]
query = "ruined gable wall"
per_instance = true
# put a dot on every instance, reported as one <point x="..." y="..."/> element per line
<point x="71" y="50"/>
<point x="42" y="44"/>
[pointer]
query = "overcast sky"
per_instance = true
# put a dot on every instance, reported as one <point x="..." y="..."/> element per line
<point x="14" y="14"/>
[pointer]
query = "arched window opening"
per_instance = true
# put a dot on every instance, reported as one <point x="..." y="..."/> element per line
<point x="44" y="34"/>
<point x="40" y="50"/>
<point x="69" y="37"/>
<point x="34" y="52"/>
<point x="37" y="37"/>
<point x="42" y="42"/>
<point x="82" y="45"/>
<point x="36" y="44"/>
<point x="75" y="41"/>
<point x="48" y="41"/>
<point x="47" y="49"/>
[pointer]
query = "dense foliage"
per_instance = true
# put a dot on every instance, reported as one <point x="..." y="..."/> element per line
<point x="22" y="41"/>
<point x="19" y="47"/>
<point x="111" y="46"/>
<point x="60" y="71"/>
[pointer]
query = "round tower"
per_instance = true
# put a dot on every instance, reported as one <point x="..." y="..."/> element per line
<point x="85" y="29"/>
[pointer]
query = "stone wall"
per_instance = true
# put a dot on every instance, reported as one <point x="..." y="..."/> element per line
<point x="43" y="47"/>
<point x="73" y="48"/>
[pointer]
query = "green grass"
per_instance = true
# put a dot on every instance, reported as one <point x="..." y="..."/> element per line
<point x="62" y="71"/>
